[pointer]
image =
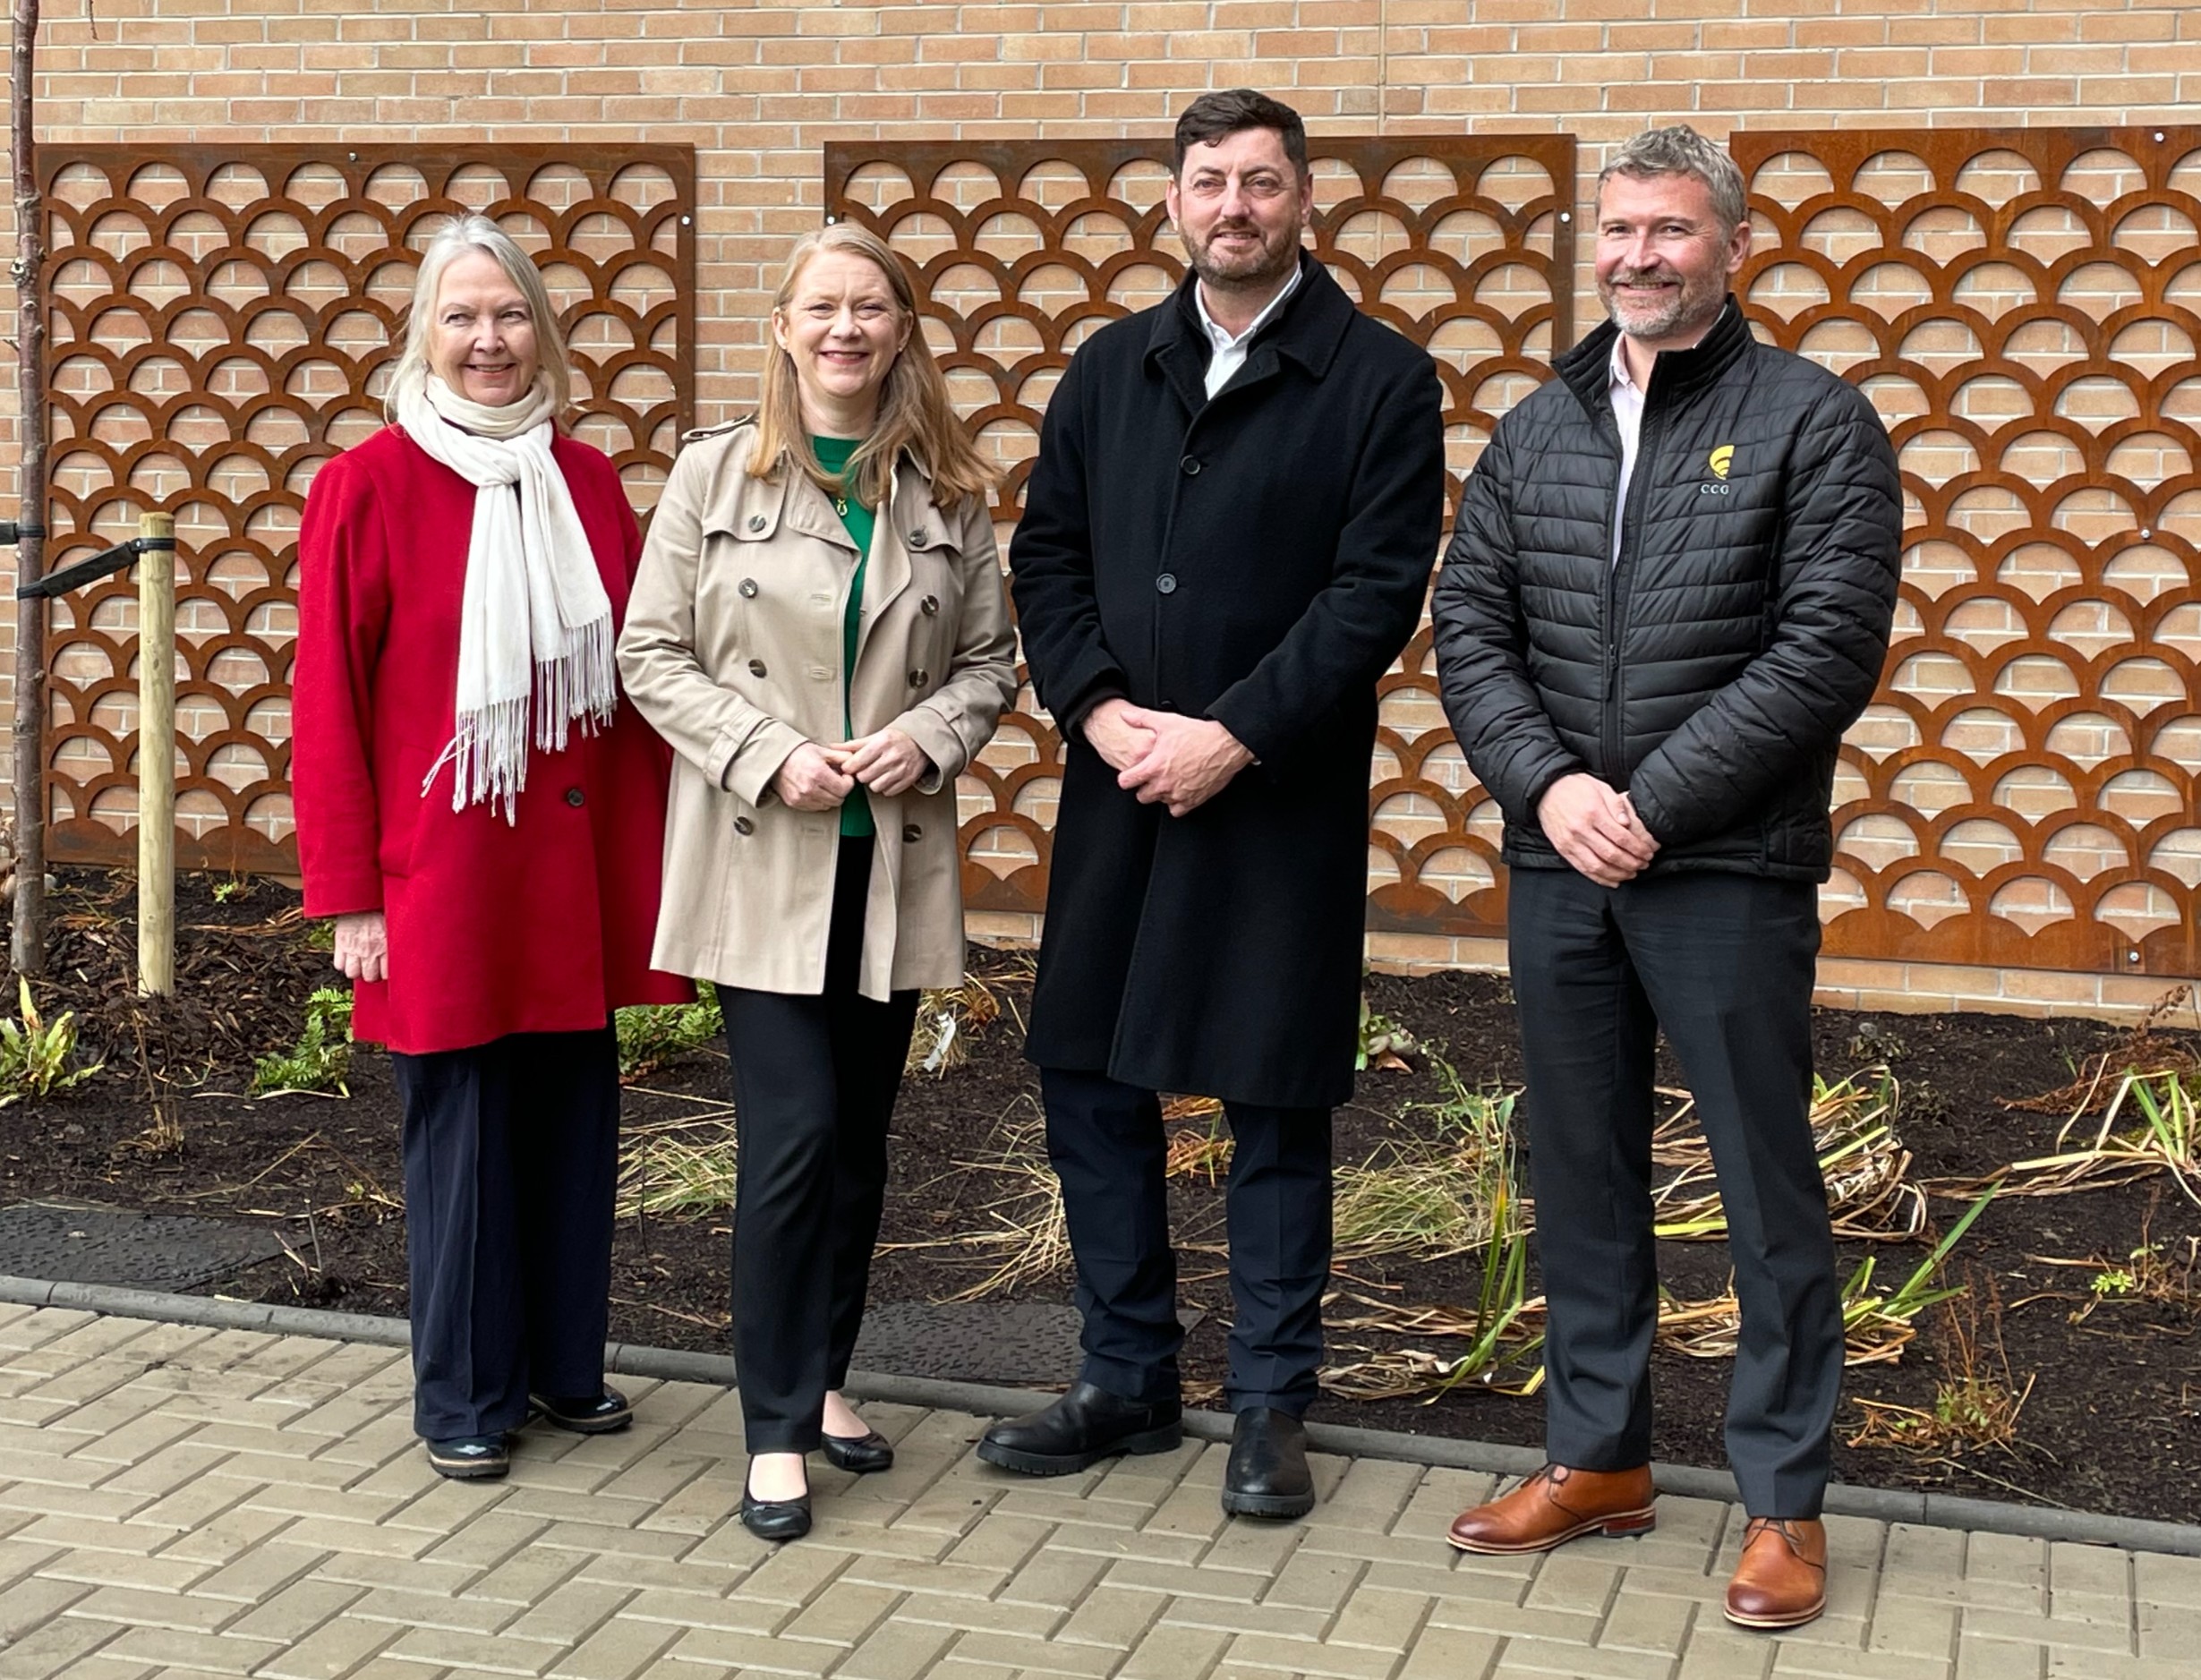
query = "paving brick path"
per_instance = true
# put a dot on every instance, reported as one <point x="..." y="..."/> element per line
<point x="177" y="1501"/>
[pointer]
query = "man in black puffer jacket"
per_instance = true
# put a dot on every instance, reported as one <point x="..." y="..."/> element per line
<point x="1667" y="594"/>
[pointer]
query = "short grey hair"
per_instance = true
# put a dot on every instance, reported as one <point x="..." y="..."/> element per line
<point x="1681" y="150"/>
<point x="477" y="233"/>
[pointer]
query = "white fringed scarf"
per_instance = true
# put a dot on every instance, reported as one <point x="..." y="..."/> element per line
<point x="535" y="631"/>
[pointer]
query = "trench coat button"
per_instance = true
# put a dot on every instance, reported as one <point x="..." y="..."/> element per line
<point x="929" y="605"/>
<point x="919" y="538"/>
<point x="912" y="833"/>
<point x="748" y="589"/>
<point x="574" y="797"/>
<point x="918" y="678"/>
<point x="1191" y="466"/>
<point x="756" y="668"/>
<point x="757" y="522"/>
<point x="1166" y="582"/>
<point x="742" y="825"/>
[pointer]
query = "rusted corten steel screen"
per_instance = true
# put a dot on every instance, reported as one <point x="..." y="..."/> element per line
<point x="2024" y="306"/>
<point x="1022" y="249"/>
<point x="224" y="320"/>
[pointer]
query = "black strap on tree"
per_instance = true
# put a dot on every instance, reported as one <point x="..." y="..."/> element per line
<point x="83" y="572"/>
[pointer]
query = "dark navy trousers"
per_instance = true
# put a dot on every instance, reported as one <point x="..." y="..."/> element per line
<point x="511" y="1157"/>
<point x="1724" y="964"/>
<point x="1106" y="1141"/>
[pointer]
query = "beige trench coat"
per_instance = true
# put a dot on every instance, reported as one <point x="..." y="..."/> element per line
<point x="733" y="650"/>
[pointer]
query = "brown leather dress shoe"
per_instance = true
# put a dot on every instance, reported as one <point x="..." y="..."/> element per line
<point x="1554" y="1506"/>
<point x="1781" y="1581"/>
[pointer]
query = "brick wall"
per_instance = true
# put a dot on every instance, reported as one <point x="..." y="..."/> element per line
<point x="757" y="89"/>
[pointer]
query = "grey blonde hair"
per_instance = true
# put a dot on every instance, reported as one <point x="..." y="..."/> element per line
<point x="477" y="233"/>
<point x="1681" y="150"/>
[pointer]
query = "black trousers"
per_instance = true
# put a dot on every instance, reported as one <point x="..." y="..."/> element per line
<point x="814" y="1083"/>
<point x="511" y="1154"/>
<point x="1724" y="964"/>
<point x="1107" y="1142"/>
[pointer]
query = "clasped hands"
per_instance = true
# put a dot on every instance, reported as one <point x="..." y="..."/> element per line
<point x="817" y="777"/>
<point x="1595" y="829"/>
<point x="1163" y="758"/>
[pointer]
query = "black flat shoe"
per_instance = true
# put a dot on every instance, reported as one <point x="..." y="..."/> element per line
<point x="604" y="1414"/>
<point x="858" y="1454"/>
<point x="775" y="1519"/>
<point x="1268" y="1475"/>
<point x="470" y="1457"/>
<point x="1085" y="1426"/>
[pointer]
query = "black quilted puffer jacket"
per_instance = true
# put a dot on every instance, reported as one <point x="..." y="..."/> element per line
<point x="1710" y="672"/>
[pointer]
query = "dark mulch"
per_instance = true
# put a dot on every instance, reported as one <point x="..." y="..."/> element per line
<point x="2110" y="1424"/>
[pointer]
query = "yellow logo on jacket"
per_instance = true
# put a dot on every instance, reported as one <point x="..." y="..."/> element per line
<point x="1721" y="459"/>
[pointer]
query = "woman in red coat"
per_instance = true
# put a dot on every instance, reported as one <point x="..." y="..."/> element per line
<point x="482" y="814"/>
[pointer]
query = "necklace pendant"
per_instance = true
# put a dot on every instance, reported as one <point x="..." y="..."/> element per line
<point x="841" y="506"/>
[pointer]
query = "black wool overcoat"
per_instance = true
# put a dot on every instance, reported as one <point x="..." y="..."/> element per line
<point x="1257" y="558"/>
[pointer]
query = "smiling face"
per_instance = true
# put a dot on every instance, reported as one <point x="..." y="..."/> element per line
<point x="481" y="333"/>
<point x="1239" y="206"/>
<point x="842" y="330"/>
<point x="1662" y="257"/>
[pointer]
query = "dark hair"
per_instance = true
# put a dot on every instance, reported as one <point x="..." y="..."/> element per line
<point x="1231" y="111"/>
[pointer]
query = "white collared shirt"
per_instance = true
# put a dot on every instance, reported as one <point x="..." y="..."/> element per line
<point x="1228" y="354"/>
<point x="1628" y="415"/>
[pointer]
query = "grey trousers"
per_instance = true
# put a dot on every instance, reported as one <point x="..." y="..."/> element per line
<point x="1723" y="963"/>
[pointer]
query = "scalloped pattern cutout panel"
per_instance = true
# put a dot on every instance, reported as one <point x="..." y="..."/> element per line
<point x="1020" y="248"/>
<point x="222" y="321"/>
<point x="2024" y="307"/>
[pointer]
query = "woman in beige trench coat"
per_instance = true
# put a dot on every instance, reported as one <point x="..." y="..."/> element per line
<point x="819" y="628"/>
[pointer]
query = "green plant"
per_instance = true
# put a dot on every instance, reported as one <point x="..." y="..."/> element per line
<point x="1976" y="1401"/>
<point x="321" y="936"/>
<point x="228" y="892"/>
<point x="1434" y="1197"/>
<point x="1384" y="1043"/>
<point x="651" y="1035"/>
<point x="685" y="1167"/>
<point x="1861" y="1156"/>
<point x="2166" y="1138"/>
<point x="34" y="1056"/>
<point x="322" y="1060"/>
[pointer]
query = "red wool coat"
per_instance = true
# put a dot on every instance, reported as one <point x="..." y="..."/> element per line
<point x="494" y="928"/>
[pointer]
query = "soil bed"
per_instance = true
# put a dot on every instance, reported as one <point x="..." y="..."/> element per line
<point x="2106" y="1340"/>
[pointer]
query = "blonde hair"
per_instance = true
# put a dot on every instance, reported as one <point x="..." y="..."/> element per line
<point x="477" y="233"/>
<point x="915" y="412"/>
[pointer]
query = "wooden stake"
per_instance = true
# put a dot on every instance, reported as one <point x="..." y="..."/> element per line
<point x="27" y="942"/>
<point x="157" y="758"/>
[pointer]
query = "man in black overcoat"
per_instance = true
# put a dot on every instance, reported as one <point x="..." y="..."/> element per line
<point x="1667" y="594"/>
<point x="1226" y="542"/>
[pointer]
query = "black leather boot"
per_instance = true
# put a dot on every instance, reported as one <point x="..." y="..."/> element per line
<point x="1268" y="1475"/>
<point x="1085" y="1426"/>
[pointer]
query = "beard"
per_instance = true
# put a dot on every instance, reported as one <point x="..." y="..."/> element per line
<point x="1263" y="264"/>
<point x="1692" y="304"/>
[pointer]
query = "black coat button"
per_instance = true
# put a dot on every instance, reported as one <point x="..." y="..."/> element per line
<point x="912" y="833"/>
<point x="742" y="825"/>
<point x="748" y="589"/>
<point x="918" y="678"/>
<point x="918" y="539"/>
<point x="757" y="522"/>
<point x="756" y="668"/>
<point x="573" y="795"/>
<point x="1166" y="582"/>
<point x="929" y="605"/>
<point x="1192" y="467"/>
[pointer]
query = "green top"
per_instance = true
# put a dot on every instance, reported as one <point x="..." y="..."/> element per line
<point x="833" y="453"/>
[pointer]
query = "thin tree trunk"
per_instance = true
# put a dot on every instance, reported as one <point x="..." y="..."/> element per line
<point x="28" y="949"/>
